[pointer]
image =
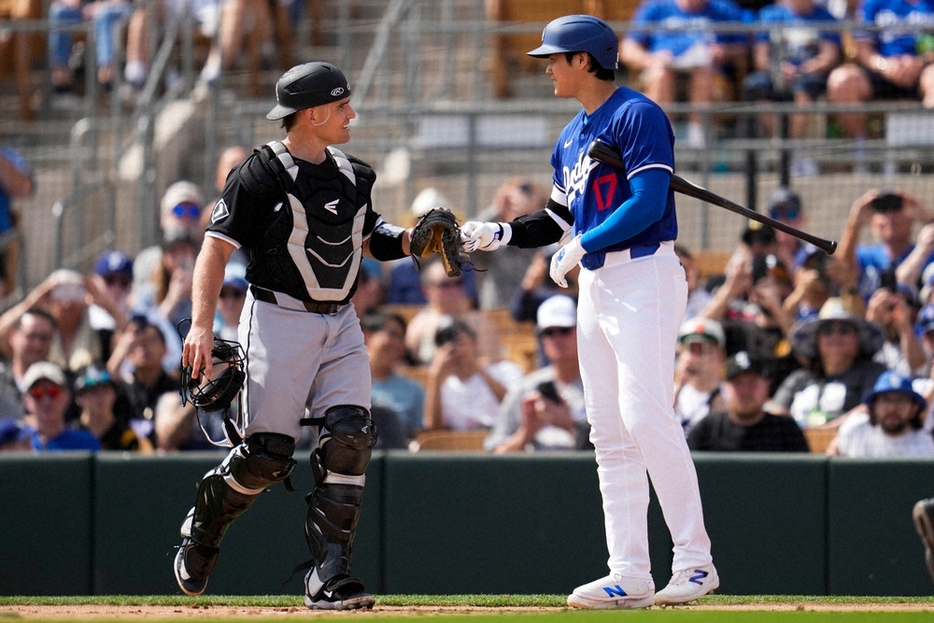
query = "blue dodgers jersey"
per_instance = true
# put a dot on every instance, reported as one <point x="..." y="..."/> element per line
<point x="639" y="129"/>
<point x="802" y="43"/>
<point x="687" y="28"/>
<point x="893" y="16"/>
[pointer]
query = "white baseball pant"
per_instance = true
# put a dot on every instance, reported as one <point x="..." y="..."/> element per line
<point x="628" y="318"/>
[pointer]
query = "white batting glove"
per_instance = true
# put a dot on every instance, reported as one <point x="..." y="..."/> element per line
<point x="477" y="235"/>
<point x="565" y="259"/>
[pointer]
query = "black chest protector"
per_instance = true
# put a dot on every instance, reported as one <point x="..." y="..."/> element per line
<point x="313" y="246"/>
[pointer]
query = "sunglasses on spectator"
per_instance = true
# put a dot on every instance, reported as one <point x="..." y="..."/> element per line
<point x="187" y="210"/>
<point x="843" y="328"/>
<point x="232" y="293"/>
<point x="551" y="331"/>
<point x="121" y="281"/>
<point x="52" y="391"/>
<point x="450" y="283"/>
<point x="787" y="214"/>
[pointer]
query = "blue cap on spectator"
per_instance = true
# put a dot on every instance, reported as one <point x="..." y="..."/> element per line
<point x="925" y="321"/>
<point x="893" y="382"/>
<point x="11" y="430"/>
<point x="235" y="276"/>
<point x="114" y="262"/>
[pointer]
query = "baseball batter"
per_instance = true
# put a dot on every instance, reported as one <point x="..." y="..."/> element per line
<point x="633" y="294"/>
<point x="301" y="210"/>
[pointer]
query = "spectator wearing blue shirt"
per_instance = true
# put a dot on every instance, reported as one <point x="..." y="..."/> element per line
<point x="792" y="60"/>
<point x="891" y="218"/>
<point x="47" y="398"/>
<point x="893" y="60"/>
<point x="677" y="38"/>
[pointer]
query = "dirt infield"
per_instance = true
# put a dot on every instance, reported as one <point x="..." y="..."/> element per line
<point x="88" y="612"/>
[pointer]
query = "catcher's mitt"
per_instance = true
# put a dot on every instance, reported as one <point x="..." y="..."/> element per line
<point x="438" y="232"/>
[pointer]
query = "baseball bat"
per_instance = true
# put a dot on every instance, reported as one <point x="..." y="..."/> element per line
<point x="601" y="152"/>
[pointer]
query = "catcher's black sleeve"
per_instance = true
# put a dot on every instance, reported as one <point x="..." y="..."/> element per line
<point x="540" y="228"/>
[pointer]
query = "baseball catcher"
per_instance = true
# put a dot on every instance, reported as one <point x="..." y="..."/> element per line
<point x="301" y="210"/>
<point x="437" y="232"/>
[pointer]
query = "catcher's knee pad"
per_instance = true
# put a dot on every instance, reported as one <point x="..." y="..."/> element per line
<point x="345" y="445"/>
<point x="230" y="488"/>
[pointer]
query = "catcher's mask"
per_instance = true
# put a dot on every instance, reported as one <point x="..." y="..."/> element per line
<point x="217" y="393"/>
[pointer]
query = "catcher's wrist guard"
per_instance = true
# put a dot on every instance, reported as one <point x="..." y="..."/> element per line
<point x="438" y="232"/>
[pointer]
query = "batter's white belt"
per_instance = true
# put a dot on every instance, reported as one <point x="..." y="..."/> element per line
<point x="615" y="258"/>
<point x="290" y="302"/>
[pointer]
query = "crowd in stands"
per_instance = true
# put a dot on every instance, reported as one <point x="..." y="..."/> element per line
<point x="697" y="51"/>
<point x="786" y="340"/>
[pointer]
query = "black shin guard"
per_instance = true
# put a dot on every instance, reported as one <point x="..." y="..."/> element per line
<point x="229" y="489"/>
<point x="338" y="464"/>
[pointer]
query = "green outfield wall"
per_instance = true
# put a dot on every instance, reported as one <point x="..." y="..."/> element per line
<point x="443" y="523"/>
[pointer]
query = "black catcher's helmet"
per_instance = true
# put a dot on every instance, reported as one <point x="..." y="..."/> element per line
<point x="219" y="392"/>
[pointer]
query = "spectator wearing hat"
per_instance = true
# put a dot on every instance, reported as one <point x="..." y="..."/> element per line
<point x="230" y="302"/>
<point x="837" y="347"/>
<point x="890" y="217"/>
<point x="113" y="279"/>
<point x="887" y="424"/>
<point x="30" y="339"/>
<point x="751" y="307"/>
<point x="545" y="409"/>
<point x="47" y="398"/>
<point x="815" y="281"/>
<point x="179" y="221"/>
<point x="701" y="344"/>
<point x="760" y="239"/>
<point x="15" y="436"/>
<point x="744" y="425"/>
<point x="895" y="311"/>
<point x="96" y="395"/>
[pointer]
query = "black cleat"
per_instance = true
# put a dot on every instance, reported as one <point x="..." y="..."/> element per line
<point x="193" y="562"/>
<point x="339" y="593"/>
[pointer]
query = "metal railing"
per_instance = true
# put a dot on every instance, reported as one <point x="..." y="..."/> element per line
<point x="410" y="69"/>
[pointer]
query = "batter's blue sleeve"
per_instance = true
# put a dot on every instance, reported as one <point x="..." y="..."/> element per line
<point x="644" y="207"/>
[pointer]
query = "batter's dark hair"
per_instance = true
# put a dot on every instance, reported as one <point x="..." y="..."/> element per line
<point x="601" y="72"/>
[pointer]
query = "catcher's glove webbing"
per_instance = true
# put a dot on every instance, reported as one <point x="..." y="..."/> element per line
<point x="438" y="232"/>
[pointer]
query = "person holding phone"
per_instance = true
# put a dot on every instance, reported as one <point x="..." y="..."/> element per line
<point x="890" y="216"/>
<point x="545" y="410"/>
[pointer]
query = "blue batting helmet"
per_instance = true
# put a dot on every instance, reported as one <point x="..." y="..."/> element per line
<point x="580" y="33"/>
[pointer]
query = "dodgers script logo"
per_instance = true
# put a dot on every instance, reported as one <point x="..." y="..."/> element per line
<point x="576" y="178"/>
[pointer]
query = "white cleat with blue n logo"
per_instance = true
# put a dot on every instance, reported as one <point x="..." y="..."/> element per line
<point x="613" y="591"/>
<point x="687" y="585"/>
